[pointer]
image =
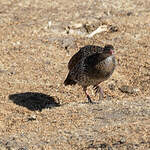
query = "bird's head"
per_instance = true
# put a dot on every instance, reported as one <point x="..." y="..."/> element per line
<point x="109" y="49"/>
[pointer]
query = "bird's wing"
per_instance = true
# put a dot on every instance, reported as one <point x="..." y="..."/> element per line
<point x="75" y="59"/>
<point x="83" y="52"/>
<point x="94" y="59"/>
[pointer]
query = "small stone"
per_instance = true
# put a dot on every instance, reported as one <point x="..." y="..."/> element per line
<point x="67" y="42"/>
<point x="127" y="89"/>
<point x="87" y="28"/>
<point x="77" y="32"/>
<point x="76" y="25"/>
<point x="57" y="29"/>
<point x="111" y="86"/>
<point x="22" y="148"/>
<point x="49" y="24"/>
<point x="31" y="118"/>
<point x="47" y="62"/>
<point x="122" y="140"/>
<point x="129" y="13"/>
<point x="108" y="97"/>
<point x="113" y="29"/>
<point x="2" y="71"/>
<point x="11" y="73"/>
<point x="3" y="147"/>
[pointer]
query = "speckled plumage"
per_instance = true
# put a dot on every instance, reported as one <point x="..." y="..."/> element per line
<point x="91" y="65"/>
<point x="83" y="52"/>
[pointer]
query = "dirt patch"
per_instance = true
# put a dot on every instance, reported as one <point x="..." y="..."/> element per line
<point x="37" y="40"/>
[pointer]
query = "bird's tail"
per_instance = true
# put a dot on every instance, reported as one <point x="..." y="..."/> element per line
<point x="69" y="81"/>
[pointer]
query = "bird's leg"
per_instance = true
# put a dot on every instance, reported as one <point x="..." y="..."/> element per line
<point x="99" y="90"/>
<point x="88" y="97"/>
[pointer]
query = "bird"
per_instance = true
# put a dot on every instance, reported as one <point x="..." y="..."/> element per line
<point x="90" y="66"/>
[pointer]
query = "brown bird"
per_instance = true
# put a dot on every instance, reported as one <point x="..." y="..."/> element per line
<point x="91" y="65"/>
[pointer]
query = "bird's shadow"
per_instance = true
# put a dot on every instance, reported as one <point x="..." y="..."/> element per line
<point x="34" y="100"/>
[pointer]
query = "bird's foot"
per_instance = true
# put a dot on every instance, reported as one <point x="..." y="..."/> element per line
<point x="89" y="99"/>
<point x="99" y="90"/>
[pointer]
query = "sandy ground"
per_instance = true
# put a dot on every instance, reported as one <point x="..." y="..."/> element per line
<point x="37" y="39"/>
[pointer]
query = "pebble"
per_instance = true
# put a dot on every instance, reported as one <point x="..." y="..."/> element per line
<point x="2" y="71"/>
<point x="129" y="13"/>
<point x="22" y="148"/>
<point x="67" y="42"/>
<point x="108" y="97"/>
<point x="127" y="89"/>
<point x="113" y="29"/>
<point x="111" y="86"/>
<point x="76" y="25"/>
<point x="31" y="118"/>
<point x="49" y="24"/>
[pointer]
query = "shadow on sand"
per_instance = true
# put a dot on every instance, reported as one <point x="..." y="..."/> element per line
<point x="34" y="101"/>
